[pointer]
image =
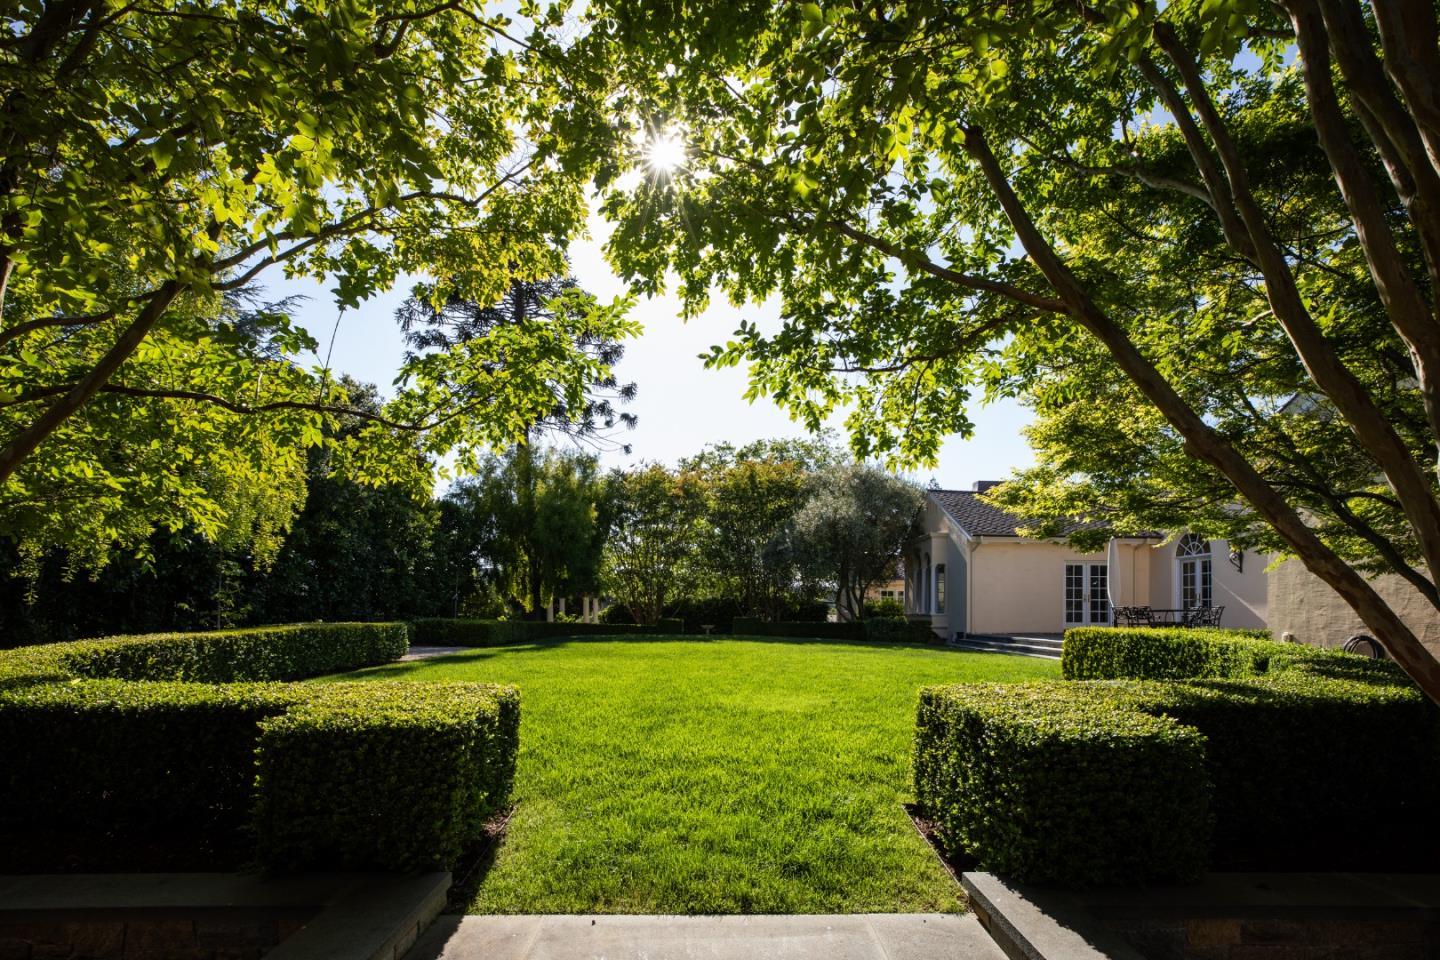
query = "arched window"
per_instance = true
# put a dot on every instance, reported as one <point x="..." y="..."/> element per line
<point x="1194" y="581"/>
<point x="1193" y="545"/>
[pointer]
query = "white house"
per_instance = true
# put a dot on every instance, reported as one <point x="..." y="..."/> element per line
<point x="971" y="573"/>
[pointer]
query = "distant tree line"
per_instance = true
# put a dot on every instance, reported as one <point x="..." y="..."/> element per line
<point x="777" y="529"/>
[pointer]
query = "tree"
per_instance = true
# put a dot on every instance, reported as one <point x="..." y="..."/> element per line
<point x="649" y="559"/>
<point x="852" y="528"/>
<point x="909" y="182"/>
<point x="538" y="522"/>
<point x="591" y="415"/>
<point x="751" y="495"/>
<point x="153" y="160"/>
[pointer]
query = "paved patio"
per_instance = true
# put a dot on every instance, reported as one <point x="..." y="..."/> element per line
<point x="888" y="936"/>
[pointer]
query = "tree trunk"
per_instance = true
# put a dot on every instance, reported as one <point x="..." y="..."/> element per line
<point x="1403" y="301"/>
<point x="1203" y="443"/>
<point x="1410" y="484"/>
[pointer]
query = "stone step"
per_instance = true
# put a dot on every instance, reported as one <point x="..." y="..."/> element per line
<point x="1025" y="647"/>
<point x="911" y="936"/>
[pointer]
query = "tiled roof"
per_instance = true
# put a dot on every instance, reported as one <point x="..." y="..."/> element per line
<point x="981" y="519"/>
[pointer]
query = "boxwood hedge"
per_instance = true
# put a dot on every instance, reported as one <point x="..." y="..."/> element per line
<point x="392" y="775"/>
<point x="1311" y="759"/>
<point x="395" y="775"/>
<point x="1164" y="653"/>
<point x="1046" y="784"/>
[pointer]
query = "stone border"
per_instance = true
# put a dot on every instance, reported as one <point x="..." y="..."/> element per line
<point x="1224" y="916"/>
<point x="347" y="916"/>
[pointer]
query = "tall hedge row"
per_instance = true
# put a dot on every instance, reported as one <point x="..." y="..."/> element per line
<point x="392" y="775"/>
<point x="1308" y="759"/>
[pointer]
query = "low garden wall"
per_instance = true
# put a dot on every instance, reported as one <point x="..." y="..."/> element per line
<point x="1166" y="753"/>
<point x="186" y="736"/>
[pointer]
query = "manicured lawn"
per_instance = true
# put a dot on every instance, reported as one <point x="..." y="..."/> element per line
<point x="725" y="776"/>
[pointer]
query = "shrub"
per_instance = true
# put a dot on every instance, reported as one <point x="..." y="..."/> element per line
<point x="617" y="613"/>
<point x="1312" y="772"/>
<point x="107" y="757"/>
<point x="395" y="775"/>
<point x="289" y="652"/>
<point x="444" y="632"/>
<point x="1325" y="760"/>
<point x="755" y="627"/>
<point x="896" y="630"/>
<point x="670" y="625"/>
<point x="719" y="612"/>
<point x="1164" y="653"/>
<point x="884" y="607"/>
<point x="807" y="611"/>
<point x="1046" y="784"/>
<point x="384" y="775"/>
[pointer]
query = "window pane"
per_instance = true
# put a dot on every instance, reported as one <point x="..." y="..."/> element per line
<point x="940" y="588"/>
<point x="1074" y="593"/>
<point x="1099" y="601"/>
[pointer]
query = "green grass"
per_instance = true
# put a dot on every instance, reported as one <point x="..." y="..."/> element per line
<point x="725" y="776"/>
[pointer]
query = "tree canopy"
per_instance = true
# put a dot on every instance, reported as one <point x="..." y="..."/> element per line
<point x="934" y="191"/>
<point x="156" y="160"/>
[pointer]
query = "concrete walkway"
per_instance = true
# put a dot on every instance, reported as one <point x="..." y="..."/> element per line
<point x="429" y="653"/>
<point x="881" y="936"/>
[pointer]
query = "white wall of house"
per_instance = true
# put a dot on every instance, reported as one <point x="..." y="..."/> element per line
<point x="1018" y="586"/>
<point x="1303" y="606"/>
<point x="935" y="573"/>
<point x="1244" y="593"/>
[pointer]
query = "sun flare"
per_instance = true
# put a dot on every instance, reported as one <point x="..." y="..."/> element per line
<point x="664" y="152"/>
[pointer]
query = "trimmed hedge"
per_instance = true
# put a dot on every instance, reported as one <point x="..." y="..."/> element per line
<point x="877" y="629"/>
<point x="110" y="757"/>
<point x="446" y="632"/>
<point x="1180" y="653"/>
<point x="1312" y="772"/>
<point x="392" y="775"/>
<point x="799" y="629"/>
<point x="1164" y="653"/>
<point x="289" y="652"/>
<point x="1044" y="784"/>
<point x="1326" y="761"/>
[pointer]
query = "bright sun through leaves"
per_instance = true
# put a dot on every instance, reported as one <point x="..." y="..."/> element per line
<point x="664" y="151"/>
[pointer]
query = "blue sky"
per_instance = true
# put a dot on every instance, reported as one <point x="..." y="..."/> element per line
<point x="681" y="405"/>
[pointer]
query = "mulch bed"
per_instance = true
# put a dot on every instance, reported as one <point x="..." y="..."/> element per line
<point x="953" y="864"/>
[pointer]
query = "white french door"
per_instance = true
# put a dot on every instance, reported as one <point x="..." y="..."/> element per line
<point x="1196" y="583"/>
<point x="1087" y="595"/>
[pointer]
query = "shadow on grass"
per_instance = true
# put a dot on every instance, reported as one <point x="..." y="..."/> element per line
<point x="470" y="873"/>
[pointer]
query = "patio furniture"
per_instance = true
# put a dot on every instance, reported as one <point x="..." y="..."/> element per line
<point x="1202" y="616"/>
<point x="1134" y="617"/>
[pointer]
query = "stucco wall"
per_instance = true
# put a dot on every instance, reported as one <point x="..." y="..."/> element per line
<point x="1302" y="605"/>
<point x="1243" y="593"/>
<point x="1020" y="587"/>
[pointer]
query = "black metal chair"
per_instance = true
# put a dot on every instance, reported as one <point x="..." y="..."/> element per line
<point x="1134" y="617"/>
<point x="1203" y="616"/>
